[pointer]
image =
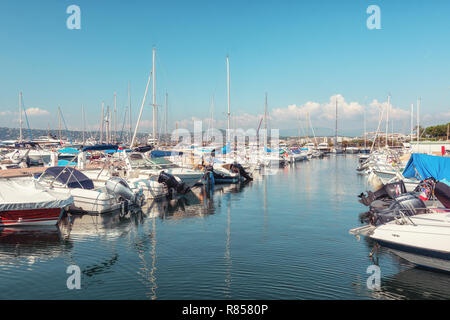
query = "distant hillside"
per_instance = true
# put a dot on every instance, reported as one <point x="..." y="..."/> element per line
<point x="13" y="134"/>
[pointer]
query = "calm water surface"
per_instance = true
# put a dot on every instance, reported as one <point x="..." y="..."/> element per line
<point x="282" y="236"/>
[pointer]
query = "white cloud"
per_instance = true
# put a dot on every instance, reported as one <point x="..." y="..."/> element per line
<point x="37" y="112"/>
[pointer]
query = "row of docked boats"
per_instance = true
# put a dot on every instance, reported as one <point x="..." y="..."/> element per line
<point x="409" y="206"/>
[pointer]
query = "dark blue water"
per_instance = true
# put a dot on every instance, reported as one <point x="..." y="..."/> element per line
<point x="282" y="236"/>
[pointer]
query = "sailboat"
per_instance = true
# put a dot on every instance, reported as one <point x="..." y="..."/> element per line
<point x="337" y="149"/>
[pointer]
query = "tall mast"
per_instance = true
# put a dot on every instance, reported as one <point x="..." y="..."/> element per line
<point x="212" y="113"/>
<point x="115" y="118"/>
<point x="167" y="106"/>
<point x="365" y="129"/>
<point x="154" y="97"/>
<point x="387" y="119"/>
<point x="129" y="105"/>
<point x="265" y="113"/>
<point x="59" y="123"/>
<point x="336" y="133"/>
<point x="418" y="120"/>
<point x="307" y="126"/>
<point x="412" y="122"/>
<point x="228" y="95"/>
<point x="101" y="124"/>
<point x="107" y="118"/>
<point x="140" y="112"/>
<point x="84" y="123"/>
<point x="20" y="117"/>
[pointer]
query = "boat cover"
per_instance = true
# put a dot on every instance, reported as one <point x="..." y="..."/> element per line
<point x="143" y="149"/>
<point x="27" y="195"/>
<point x="423" y="166"/>
<point x="71" y="177"/>
<point x="69" y="151"/>
<point x="161" y="153"/>
<point x="100" y="147"/>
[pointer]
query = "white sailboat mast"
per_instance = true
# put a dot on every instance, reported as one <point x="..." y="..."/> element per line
<point x="228" y="95"/>
<point x="412" y="121"/>
<point x="129" y="105"/>
<point x="387" y="119"/>
<point x="140" y="111"/>
<point x="84" y="124"/>
<point x="418" y="120"/>
<point x="336" y="133"/>
<point x="166" y="116"/>
<point x="20" y="117"/>
<point x="103" y="120"/>
<point x="154" y="96"/>
<point x="265" y="114"/>
<point x="365" y="129"/>
<point x="115" y="118"/>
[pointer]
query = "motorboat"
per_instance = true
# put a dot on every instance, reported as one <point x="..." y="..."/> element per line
<point x="323" y="147"/>
<point x="423" y="239"/>
<point x="414" y="226"/>
<point x="337" y="150"/>
<point x="23" y="202"/>
<point x="145" y="166"/>
<point x="352" y="150"/>
<point x="88" y="197"/>
<point x="29" y="152"/>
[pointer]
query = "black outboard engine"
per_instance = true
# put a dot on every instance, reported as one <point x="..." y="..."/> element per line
<point x="172" y="183"/>
<point x="442" y="192"/>
<point x="408" y="203"/>
<point x="387" y="193"/>
<point x="238" y="167"/>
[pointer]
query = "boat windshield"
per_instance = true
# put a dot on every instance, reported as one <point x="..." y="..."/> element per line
<point x="138" y="160"/>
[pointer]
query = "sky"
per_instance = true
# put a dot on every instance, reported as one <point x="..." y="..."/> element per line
<point x="304" y="54"/>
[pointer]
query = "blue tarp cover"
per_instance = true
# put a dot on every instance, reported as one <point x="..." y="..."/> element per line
<point x="69" y="151"/>
<point x="65" y="163"/>
<point x="423" y="166"/>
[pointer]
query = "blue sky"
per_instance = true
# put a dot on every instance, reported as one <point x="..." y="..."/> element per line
<point x="300" y="52"/>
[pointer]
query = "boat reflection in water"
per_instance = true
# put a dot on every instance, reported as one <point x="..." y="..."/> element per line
<point x="199" y="202"/>
<point x="31" y="244"/>
<point x="409" y="282"/>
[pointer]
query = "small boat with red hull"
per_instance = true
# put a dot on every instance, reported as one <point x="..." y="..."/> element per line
<point x="23" y="202"/>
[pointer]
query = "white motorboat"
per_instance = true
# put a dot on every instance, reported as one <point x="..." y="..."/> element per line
<point x="323" y="147"/>
<point x="352" y="150"/>
<point x="423" y="239"/>
<point x="143" y="165"/>
<point x="88" y="197"/>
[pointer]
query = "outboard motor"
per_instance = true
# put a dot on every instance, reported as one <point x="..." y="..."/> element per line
<point x="172" y="183"/>
<point x="442" y="192"/>
<point x="241" y="170"/>
<point x="120" y="188"/>
<point x="387" y="192"/>
<point x="407" y="203"/>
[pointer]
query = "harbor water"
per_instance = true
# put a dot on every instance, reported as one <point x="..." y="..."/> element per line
<point x="282" y="236"/>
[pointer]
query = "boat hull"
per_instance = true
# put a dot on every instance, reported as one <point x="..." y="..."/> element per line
<point x="424" y="243"/>
<point x="30" y="217"/>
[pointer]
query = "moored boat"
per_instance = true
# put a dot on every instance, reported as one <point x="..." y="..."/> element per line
<point x="23" y="202"/>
